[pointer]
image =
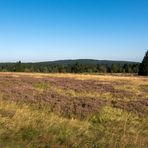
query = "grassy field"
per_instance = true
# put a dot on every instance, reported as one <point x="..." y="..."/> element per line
<point x="67" y="110"/>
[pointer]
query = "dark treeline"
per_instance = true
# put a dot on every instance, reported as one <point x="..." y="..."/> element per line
<point x="70" y="68"/>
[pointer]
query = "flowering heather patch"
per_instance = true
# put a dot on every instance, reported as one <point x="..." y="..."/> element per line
<point x="65" y="110"/>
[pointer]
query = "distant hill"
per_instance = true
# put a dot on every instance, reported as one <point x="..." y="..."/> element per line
<point x="86" y="61"/>
<point x="70" y="66"/>
<point x="80" y="61"/>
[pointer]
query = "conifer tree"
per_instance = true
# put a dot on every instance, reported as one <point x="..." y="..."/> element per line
<point x="143" y="69"/>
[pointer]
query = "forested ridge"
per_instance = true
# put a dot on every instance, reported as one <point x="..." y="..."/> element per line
<point x="73" y="66"/>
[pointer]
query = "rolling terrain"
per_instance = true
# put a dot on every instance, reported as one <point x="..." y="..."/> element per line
<point x="80" y="61"/>
<point x="73" y="110"/>
<point x="87" y="62"/>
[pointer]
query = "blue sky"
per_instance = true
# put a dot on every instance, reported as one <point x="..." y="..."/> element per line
<point x="43" y="30"/>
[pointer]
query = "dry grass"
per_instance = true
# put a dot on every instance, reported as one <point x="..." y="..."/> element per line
<point x="67" y="110"/>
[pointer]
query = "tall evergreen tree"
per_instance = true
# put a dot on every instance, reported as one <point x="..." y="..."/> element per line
<point x="143" y="69"/>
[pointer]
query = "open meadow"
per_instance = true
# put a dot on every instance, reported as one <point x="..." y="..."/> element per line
<point x="73" y="110"/>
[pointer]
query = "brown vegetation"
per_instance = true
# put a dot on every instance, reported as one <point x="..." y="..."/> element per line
<point x="85" y="98"/>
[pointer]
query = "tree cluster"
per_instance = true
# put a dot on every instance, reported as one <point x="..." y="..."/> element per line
<point x="71" y="68"/>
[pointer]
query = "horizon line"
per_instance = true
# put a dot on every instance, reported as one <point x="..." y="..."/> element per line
<point x="68" y="60"/>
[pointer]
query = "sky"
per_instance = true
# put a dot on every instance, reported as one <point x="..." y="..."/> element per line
<point x="47" y="30"/>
